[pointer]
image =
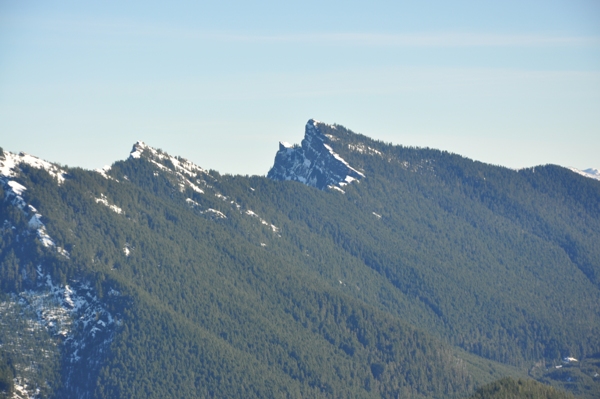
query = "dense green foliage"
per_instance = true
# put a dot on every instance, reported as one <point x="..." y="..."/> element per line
<point x="7" y="373"/>
<point x="509" y="388"/>
<point x="517" y="245"/>
<point x="361" y="294"/>
<point x="26" y="351"/>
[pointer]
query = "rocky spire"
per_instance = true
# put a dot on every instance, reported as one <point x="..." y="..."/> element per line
<point x="314" y="163"/>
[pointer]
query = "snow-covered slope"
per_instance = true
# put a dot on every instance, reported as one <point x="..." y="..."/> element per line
<point x="314" y="163"/>
<point x="9" y="171"/>
<point x="9" y="165"/>
<point x="67" y="321"/>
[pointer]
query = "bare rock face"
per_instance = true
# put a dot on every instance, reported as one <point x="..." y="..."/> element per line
<point x="314" y="163"/>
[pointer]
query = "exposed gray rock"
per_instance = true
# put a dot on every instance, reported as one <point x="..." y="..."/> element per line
<point x="314" y="163"/>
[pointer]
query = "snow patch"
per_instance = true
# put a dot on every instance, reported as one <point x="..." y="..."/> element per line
<point x="35" y="222"/>
<point x="274" y="228"/>
<point x="195" y="188"/>
<point x="342" y="160"/>
<point x="219" y="214"/>
<point x="44" y="238"/>
<point x="337" y="189"/>
<point x="17" y="188"/>
<point x="104" y="201"/>
<point x="191" y="202"/>
<point x="9" y="167"/>
<point x="63" y="252"/>
<point x="71" y="312"/>
<point x="22" y="391"/>
<point x="364" y="149"/>
<point x="103" y="172"/>
<point x="13" y="194"/>
<point x="160" y="165"/>
<point x="138" y="149"/>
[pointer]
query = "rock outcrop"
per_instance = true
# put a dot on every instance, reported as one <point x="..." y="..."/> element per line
<point x="314" y="163"/>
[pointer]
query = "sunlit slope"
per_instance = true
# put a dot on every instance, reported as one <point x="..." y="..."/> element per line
<point x="238" y="286"/>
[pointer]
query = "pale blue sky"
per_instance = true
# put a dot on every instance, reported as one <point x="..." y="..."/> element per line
<point x="514" y="83"/>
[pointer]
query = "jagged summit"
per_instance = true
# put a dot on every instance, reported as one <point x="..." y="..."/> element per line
<point x="188" y="173"/>
<point x="314" y="163"/>
<point x="138" y="149"/>
<point x="164" y="160"/>
<point x="9" y="165"/>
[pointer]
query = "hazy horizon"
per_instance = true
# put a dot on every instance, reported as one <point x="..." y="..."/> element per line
<point x="515" y="84"/>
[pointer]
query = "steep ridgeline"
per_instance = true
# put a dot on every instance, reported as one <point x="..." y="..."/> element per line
<point x="314" y="163"/>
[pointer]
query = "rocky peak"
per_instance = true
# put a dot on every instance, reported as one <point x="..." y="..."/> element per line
<point x="185" y="173"/>
<point x="314" y="163"/>
<point x="165" y="161"/>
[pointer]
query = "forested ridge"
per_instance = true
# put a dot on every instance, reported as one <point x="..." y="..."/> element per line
<point x="429" y="278"/>
<point x="508" y="388"/>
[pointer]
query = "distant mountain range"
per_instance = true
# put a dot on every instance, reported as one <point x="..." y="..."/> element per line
<point x="592" y="173"/>
<point x="354" y="269"/>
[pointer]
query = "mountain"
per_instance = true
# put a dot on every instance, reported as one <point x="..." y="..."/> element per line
<point x="314" y="163"/>
<point x="592" y="173"/>
<point x="355" y="269"/>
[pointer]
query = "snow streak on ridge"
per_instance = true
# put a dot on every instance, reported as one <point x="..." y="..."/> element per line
<point x="314" y="163"/>
<point x="13" y="191"/>
<point x="9" y="167"/>
<point x="188" y="175"/>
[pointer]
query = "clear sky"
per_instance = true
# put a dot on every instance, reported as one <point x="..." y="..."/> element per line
<point x="513" y="83"/>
